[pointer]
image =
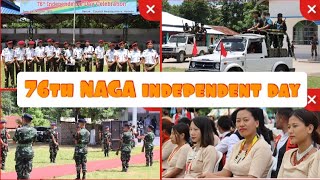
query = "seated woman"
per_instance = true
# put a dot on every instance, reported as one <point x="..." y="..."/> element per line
<point x="178" y="158"/>
<point x="167" y="145"/>
<point x="252" y="156"/>
<point x="203" y="156"/>
<point x="298" y="162"/>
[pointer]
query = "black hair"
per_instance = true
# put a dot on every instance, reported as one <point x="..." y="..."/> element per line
<point x="167" y="126"/>
<point x="205" y="126"/>
<point x="233" y="116"/>
<point x="165" y="112"/>
<point x="185" y="120"/>
<point x="225" y="123"/>
<point x="257" y="114"/>
<point x="284" y="112"/>
<point x="182" y="128"/>
<point x="214" y="129"/>
<point x="308" y="117"/>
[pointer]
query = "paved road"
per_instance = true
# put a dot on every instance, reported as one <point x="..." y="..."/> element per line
<point x="301" y="65"/>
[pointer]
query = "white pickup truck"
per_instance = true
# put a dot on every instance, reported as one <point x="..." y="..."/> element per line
<point x="245" y="52"/>
<point x="180" y="47"/>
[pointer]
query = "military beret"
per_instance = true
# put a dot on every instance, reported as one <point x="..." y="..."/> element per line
<point x="101" y="41"/>
<point x="121" y="42"/>
<point x="56" y="42"/>
<point x="49" y="40"/>
<point x="111" y="45"/>
<point x="21" y="43"/>
<point x="3" y="121"/>
<point x="53" y="124"/>
<point x="40" y="41"/>
<point x="149" y="42"/>
<point x="65" y="43"/>
<point x="78" y="42"/>
<point x="151" y="127"/>
<point x="10" y="42"/>
<point x="27" y="116"/>
<point x="82" y="120"/>
<point x="87" y="41"/>
<point x="31" y="42"/>
<point x="134" y="44"/>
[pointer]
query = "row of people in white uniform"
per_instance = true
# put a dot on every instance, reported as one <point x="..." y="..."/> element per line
<point x="251" y="156"/>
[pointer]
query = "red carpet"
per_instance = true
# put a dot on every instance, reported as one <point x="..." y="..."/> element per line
<point x="69" y="169"/>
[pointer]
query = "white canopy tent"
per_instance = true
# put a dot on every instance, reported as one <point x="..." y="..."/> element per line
<point x="172" y="23"/>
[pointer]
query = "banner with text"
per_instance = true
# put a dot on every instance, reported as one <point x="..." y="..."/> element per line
<point x="165" y="89"/>
<point x="78" y="6"/>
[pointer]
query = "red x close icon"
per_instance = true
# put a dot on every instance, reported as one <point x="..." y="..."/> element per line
<point x="150" y="10"/>
<point x="313" y="100"/>
<point x="310" y="9"/>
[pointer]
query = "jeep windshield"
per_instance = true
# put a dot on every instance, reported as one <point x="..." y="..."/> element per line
<point x="177" y="39"/>
<point x="232" y="44"/>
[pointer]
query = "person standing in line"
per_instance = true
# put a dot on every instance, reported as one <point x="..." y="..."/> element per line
<point x="125" y="147"/>
<point x="49" y="51"/>
<point x="8" y="62"/>
<point x="134" y="58"/>
<point x="99" y="53"/>
<point x="4" y="136"/>
<point x="30" y="56"/>
<point x="111" y="58"/>
<point x="148" y="145"/>
<point x="122" y="62"/>
<point x="150" y="58"/>
<point x="88" y="52"/>
<point x="53" y="142"/>
<point x="57" y="56"/>
<point x="40" y="55"/>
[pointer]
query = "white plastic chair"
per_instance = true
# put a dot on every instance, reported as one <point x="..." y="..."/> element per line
<point x="216" y="167"/>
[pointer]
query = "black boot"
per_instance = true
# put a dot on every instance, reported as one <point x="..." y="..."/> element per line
<point x="84" y="175"/>
<point x="105" y="154"/>
<point x="78" y="175"/>
<point x="53" y="161"/>
<point x="151" y="162"/>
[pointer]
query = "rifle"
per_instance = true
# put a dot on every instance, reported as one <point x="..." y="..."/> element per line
<point x="143" y="146"/>
<point x="117" y="153"/>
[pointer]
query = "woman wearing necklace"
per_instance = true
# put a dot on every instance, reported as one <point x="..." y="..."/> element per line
<point x="177" y="159"/>
<point x="167" y="145"/>
<point x="297" y="163"/>
<point x="252" y="156"/>
<point x="203" y="156"/>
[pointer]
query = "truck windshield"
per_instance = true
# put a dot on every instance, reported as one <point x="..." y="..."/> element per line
<point x="232" y="44"/>
<point x="179" y="39"/>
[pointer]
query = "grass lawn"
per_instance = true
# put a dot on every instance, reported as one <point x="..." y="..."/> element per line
<point x="138" y="171"/>
<point x="82" y="69"/>
<point x="64" y="156"/>
<point x="313" y="82"/>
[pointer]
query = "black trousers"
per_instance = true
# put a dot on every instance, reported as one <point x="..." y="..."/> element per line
<point x="135" y="67"/>
<point x="9" y="74"/>
<point x="88" y="65"/>
<point x="150" y="65"/>
<point x="112" y="68"/>
<point x="100" y="65"/>
<point x="124" y="67"/>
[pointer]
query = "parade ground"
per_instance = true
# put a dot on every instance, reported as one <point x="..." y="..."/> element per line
<point x="99" y="167"/>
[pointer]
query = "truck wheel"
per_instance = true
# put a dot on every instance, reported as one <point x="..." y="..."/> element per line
<point x="281" y="68"/>
<point x="235" y="69"/>
<point x="201" y="53"/>
<point x="180" y="57"/>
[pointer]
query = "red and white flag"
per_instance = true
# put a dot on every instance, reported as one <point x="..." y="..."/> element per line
<point x="195" y="50"/>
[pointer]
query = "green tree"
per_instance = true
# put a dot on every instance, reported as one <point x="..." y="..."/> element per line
<point x="195" y="10"/>
<point x="38" y="117"/>
<point x="9" y="103"/>
<point x="166" y="7"/>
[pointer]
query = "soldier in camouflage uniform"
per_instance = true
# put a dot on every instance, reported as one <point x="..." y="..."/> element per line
<point x="125" y="147"/>
<point x="106" y="141"/>
<point x="81" y="150"/>
<point x="53" y="142"/>
<point x="148" y="145"/>
<point x="4" y="143"/>
<point x="24" y="136"/>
